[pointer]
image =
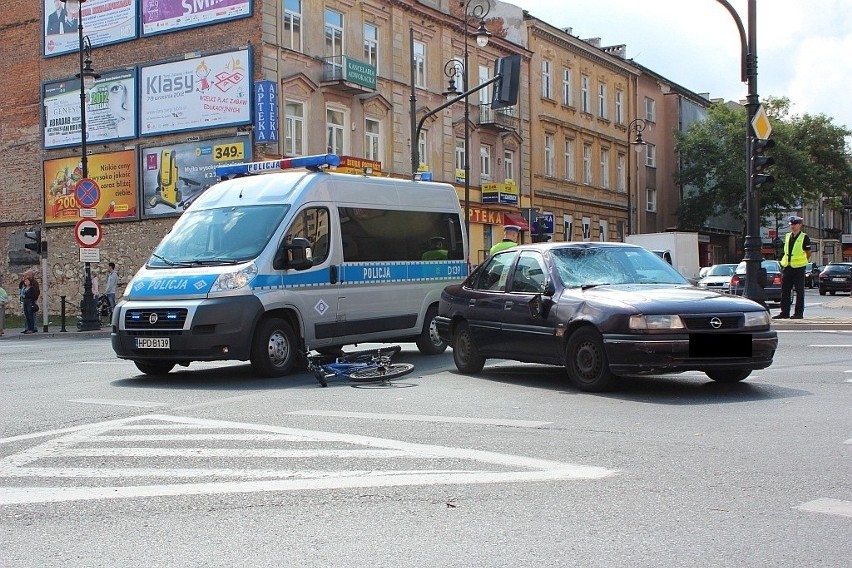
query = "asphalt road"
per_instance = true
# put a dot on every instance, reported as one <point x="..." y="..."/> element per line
<point x="210" y="466"/>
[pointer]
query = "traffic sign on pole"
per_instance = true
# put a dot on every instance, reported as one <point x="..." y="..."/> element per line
<point x="88" y="233"/>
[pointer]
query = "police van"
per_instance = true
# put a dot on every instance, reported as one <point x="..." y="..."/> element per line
<point x="261" y="268"/>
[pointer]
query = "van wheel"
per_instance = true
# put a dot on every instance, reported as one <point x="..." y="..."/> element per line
<point x="274" y="350"/>
<point x="154" y="368"/>
<point x="429" y="342"/>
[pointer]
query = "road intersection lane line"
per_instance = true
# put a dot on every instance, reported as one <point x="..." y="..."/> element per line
<point x="392" y="463"/>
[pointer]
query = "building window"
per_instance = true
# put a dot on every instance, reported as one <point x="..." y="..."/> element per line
<point x="602" y="100"/>
<point x="545" y="78"/>
<point x="420" y="65"/>
<point x="605" y="168"/>
<point x="587" y="228"/>
<point x="294" y="128"/>
<point x="335" y="121"/>
<point x="291" y="37"/>
<point x="650" y="155"/>
<point x="484" y="76"/>
<point x="619" y="107"/>
<point x="372" y="140"/>
<point x="587" y="164"/>
<point x="371" y="45"/>
<point x="570" y="174"/>
<point x="568" y="227"/>
<point x="334" y="39"/>
<point x="485" y="161"/>
<point x="460" y="154"/>
<point x="603" y="228"/>
<point x="620" y="173"/>
<point x="567" y="98"/>
<point x="650" y="109"/>
<point x="548" y="155"/>
<point x="508" y="165"/>
<point x="585" y="102"/>
<point x="652" y="200"/>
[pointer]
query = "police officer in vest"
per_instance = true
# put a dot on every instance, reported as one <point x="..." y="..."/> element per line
<point x="796" y="254"/>
<point x="510" y="239"/>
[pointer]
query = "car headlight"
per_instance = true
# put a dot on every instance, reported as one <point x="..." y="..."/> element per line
<point x="235" y="280"/>
<point x="656" y="322"/>
<point x="756" y="319"/>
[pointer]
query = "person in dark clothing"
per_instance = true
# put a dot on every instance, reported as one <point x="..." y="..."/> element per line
<point x="29" y="295"/>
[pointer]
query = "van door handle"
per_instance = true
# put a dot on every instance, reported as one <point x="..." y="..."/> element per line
<point x="332" y="274"/>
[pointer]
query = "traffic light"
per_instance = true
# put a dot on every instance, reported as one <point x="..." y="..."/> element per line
<point x="540" y="227"/>
<point x="506" y="90"/>
<point x="760" y="162"/>
<point x="35" y="236"/>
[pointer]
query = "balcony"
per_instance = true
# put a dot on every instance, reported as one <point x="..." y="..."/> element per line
<point x="348" y="75"/>
<point x="503" y="119"/>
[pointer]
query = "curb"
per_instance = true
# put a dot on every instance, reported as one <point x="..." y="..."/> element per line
<point x="10" y="335"/>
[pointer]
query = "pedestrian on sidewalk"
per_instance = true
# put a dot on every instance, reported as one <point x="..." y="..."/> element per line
<point x="111" y="286"/>
<point x="29" y="297"/>
<point x="4" y="299"/>
<point x="796" y="254"/>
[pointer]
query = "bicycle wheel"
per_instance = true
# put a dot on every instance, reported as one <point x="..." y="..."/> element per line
<point x="368" y="355"/>
<point x="381" y="373"/>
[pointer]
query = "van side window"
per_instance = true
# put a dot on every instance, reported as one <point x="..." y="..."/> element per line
<point x="371" y="235"/>
<point x="312" y="224"/>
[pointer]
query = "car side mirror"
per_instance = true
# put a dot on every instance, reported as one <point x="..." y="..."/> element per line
<point x="293" y="255"/>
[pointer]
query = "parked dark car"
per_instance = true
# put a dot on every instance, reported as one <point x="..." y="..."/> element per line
<point x="602" y="310"/>
<point x="772" y="289"/>
<point x="835" y="277"/>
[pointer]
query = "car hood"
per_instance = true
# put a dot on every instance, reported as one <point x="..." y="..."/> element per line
<point x="666" y="298"/>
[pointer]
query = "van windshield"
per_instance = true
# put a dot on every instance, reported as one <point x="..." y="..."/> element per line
<point x="227" y="235"/>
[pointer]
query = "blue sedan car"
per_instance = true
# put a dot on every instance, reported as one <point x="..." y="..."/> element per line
<point x="602" y="310"/>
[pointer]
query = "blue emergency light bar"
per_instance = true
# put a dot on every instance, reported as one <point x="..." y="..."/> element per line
<point x="283" y="164"/>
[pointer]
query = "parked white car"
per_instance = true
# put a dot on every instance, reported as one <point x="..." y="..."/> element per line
<point x="718" y="277"/>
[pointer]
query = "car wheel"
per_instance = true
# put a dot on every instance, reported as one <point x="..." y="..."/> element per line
<point x="822" y="291"/>
<point x="274" y="351"/>
<point x="429" y="342"/>
<point x="586" y="361"/>
<point x="154" y="368"/>
<point x="465" y="354"/>
<point x="729" y="376"/>
<point x="831" y="292"/>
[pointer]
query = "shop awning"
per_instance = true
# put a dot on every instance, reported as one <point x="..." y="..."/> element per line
<point x="515" y="219"/>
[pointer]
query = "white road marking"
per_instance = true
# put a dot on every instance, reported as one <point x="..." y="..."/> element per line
<point x="116" y="362"/>
<point x="324" y="447"/>
<point x="830" y="345"/>
<point x="828" y="506"/>
<point x="115" y="402"/>
<point x="423" y="418"/>
<point x="27" y="361"/>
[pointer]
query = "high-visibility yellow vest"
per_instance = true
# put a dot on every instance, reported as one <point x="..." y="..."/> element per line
<point x="797" y="257"/>
<point x="502" y="245"/>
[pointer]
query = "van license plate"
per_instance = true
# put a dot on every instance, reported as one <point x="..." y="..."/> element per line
<point x="152" y="343"/>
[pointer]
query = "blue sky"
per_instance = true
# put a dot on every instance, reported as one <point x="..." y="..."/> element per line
<point x="803" y="47"/>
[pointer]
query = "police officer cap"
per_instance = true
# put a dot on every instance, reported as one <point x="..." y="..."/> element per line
<point x="795" y="220"/>
<point x="515" y="228"/>
<point x="437" y="240"/>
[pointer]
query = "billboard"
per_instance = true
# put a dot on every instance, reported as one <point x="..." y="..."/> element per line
<point x="116" y="176"/>
<point x="110" y="110"/>
<point x="104" y="21"/>
<point x="173" y="176"/>
<point x="191" y="94"/>
<point x="161" y="16"/>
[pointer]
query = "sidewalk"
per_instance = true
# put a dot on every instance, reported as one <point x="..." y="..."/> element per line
<point x="53" y="331"/>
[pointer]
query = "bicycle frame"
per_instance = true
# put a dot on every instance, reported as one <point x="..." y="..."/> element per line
<point x="357" y="366"/>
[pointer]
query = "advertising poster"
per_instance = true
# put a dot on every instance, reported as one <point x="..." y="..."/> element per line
<point x="104" y="21"/>
<point x="116" y="176"/>
<point x="161" y="16"/>
<point x="174" y="176"/>
<point x="110" y="110"/>
<point x="191" y="94"/>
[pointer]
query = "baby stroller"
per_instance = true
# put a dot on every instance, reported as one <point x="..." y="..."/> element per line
<point x="103" y="306"/>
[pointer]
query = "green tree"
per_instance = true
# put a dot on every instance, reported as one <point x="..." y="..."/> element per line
<point x="811" y="160"/>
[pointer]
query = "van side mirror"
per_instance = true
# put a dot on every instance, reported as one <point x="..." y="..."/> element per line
<point x="293" y="255"/>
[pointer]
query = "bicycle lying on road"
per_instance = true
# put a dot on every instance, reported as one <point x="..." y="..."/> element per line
<point x="372" y="366"/>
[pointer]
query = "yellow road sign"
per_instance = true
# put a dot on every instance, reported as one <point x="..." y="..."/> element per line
<point x="760" y="124"/>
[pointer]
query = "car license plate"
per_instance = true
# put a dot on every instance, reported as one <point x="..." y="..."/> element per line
<point x="152" y="343"/>
<point x="712" y="345"/>
<point x="841" y="279"/>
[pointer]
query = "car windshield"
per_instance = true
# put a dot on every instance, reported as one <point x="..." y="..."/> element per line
<point x="226" y="235"/>
<point x="597" y="265"/>
<point x="721" y="270"/>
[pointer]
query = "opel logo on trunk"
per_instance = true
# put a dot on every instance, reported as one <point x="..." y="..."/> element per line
<point x="716" y="323"/>
<point x="152" y="319"/>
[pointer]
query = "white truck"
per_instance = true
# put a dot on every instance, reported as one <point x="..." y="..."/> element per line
<point x="682" y="249"/>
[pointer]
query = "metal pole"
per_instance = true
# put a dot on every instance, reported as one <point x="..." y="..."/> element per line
<point x="466" y="135"/>
<point x="413" y="109"/>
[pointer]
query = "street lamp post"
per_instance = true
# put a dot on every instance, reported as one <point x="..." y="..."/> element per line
<point x="636" y="125"/>
<point x="89" y="320"/>
<point x="752" y="243"/>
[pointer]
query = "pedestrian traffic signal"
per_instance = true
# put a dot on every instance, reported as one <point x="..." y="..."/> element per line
<point x="35" y="236"/>
<point x="760" y="162"/>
